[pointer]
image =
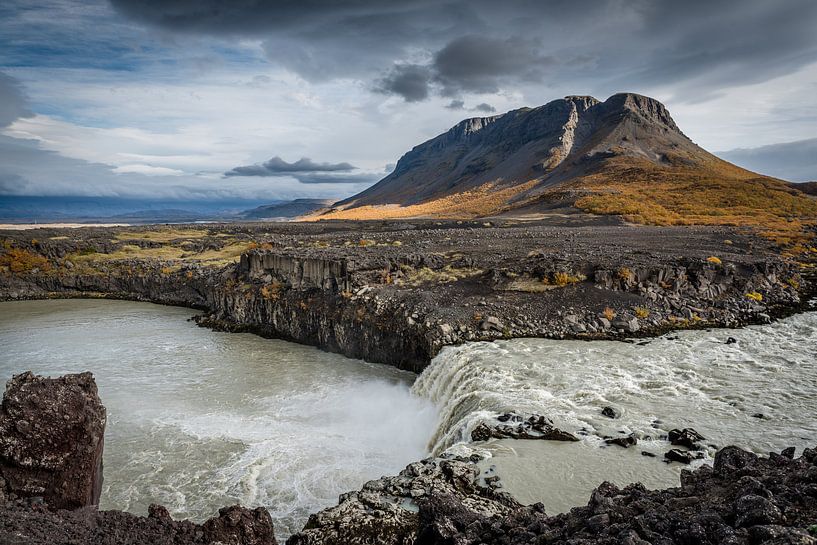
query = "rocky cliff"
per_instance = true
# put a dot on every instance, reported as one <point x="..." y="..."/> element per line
<point x="399" y="295"/>
<point x="51" y="439"/>
<point x="51" y="443"/>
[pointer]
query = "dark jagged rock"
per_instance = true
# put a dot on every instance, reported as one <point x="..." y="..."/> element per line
<point x="743" y="500"/>
<point x="681" y="456"/>
<point x="610" y="412"/>
<point x="385" y="511"/>
<point x="51" y="443"/>
<point x="686" y="437"/>
<point x="626" y="442"/>
<point x="86" y="526"/>
<point x="240" y="525"/>
<point x="534" y="427"/>
<point x="51" y="439"/>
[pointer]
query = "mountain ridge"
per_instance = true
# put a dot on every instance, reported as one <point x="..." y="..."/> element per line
<point x="528" y="144"/>
<point x="624" y="156"/>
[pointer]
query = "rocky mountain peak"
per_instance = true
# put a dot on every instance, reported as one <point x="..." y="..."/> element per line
<point x="537" y="148"/>
<point x="582" y="102"/>
<point x="645" y="107"/>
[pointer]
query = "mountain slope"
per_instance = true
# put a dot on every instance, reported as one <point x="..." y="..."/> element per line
<point x="286" y="209"/>
<point x="622" y="156"/>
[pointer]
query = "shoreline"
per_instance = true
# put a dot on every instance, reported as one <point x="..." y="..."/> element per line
<point x="435" y="501"/>
<point x="395" y="294"/>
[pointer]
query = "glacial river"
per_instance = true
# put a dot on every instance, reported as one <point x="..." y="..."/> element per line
<point x="200" y="419"/>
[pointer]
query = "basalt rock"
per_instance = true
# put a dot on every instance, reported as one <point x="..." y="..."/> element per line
<point x="51" y="443"/>
<point x="686" y="437"/>
<point x="626" y="442"/>
<point x="514" y="426"/>
<point x="51" y="439"/>
<point x="744" y="500"/>
<point x="386" y="511"/>
<point x="86" y="526"/>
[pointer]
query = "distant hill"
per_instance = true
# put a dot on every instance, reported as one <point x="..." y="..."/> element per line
<point x="623" y="156"/>
<point x="289" y="209"/>
<point x="809" y="188"/>
<point x="41" y="209"/>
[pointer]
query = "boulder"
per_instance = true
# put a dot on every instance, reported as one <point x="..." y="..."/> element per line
<point x="686" y="437"/>
<point x="51" y="439"/>
<point x="240" y="525"/>
<point x="626" y="442"/>
<point x="609" y="412"/>
<point x="533" y="427"/>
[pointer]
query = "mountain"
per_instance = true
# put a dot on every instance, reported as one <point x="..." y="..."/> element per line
<point x="288" y="209"/>
<point x="809" y="188"/>
<point x="795" y="161"/>
<point x="623" y="156"/>
<point x="43" y="209"/>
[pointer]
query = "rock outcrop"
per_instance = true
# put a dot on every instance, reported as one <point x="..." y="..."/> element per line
<point x="51" y="439"/>
<point x="743" y="500"/>
<point x="34" y="524"/>
<point x="51" y="443"/>
<point x="516" y="426"/>
<point x="385" y="511"/>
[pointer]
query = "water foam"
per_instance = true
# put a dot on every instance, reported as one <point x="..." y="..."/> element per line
<point x="692" y="379"/>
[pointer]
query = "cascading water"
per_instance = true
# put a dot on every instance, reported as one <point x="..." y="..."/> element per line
<point x="199" y="419"/>
<point x="759" y="392"/>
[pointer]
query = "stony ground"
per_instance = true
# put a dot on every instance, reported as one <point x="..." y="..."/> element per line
<point x="396" y="292"/>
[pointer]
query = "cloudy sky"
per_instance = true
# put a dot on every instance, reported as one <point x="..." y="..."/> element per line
<point x="209" y="99"/>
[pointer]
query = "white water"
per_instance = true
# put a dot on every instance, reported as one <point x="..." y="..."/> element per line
<point x="198" y="419"/>
<point x="692" y="379"/>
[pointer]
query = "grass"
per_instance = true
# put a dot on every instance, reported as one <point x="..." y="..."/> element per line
<point x="641" y="312"/>
<point x="722" y="195"/>
<point x="755" y="296"/>
<point x="482" y="201"/>
<point x="177" y="255"/>
<point x="18" y="260"/>
<point x="416" y="277"/>
<point x="562" y="279"/>
<point x="162" y="235"/>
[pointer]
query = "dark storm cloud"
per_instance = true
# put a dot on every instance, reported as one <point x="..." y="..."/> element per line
<point x="410" y="81"/>
<point x="482" y="107"/>
<point x="277" y="166"/>
<point x="419" y="48"/>
<point x="306" y="171"/>
<point x="795" y="161"/>
<point x="12" y="101"/>
<point x="480" y="64"/>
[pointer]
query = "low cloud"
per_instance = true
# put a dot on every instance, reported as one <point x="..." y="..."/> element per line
<point x="277" y="166"/>
<point x="794" y="161"/>
<point x="485" y="108"/>
<point x="13" y="103"/>
<point x="306" y="171"/>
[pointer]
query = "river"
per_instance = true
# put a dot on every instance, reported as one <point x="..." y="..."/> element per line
<point x="200" y="419"/>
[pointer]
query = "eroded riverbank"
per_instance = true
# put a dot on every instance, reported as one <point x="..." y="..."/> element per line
<point x="199" y="419"/>
<point x="397" y="293"/>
